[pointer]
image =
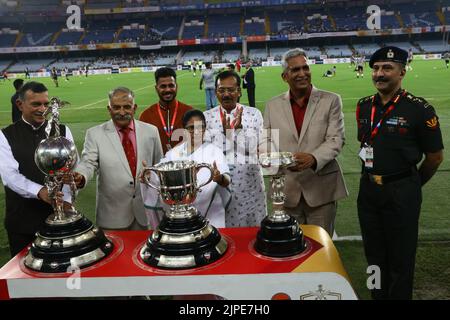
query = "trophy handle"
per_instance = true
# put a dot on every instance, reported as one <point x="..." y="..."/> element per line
<point x="147" y="179"/>
<point x="207" y="166"/>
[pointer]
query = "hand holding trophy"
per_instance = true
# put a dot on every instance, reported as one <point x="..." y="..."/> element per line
<point x="184" y="238"/>
<point x="67" y="239"/>
<point x="280" y="234"/>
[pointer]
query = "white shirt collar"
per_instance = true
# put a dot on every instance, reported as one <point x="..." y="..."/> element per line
<point x="34" y="128"/>
<point x="233" y="112"/>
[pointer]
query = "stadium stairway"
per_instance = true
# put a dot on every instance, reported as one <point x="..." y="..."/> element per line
<point x="267" y="23"/>
<point x="306" y="24"/>
<point x="18" y="39"/>
<point x="241" y="30"/>
<point x="417" y="46"/>
<point x="118" y="32"/>
<point x="181" y="30"/>
<point x="52" y="62"/>
<point x="400" y="20"/>
<point x="332" y="21"/>
<point x="179" y="56"/>
<point x="80" y="41"/>
<point x="55" y="37"/>
<point x="9" y="65"/>
<point x="205" y="34"/>
<point x="441" y="17"/>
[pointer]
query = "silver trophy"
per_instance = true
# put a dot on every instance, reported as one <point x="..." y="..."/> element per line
<point x="280" y="234"/>
<point x="67" y="239"/>
<point x="184" y="238"/>
<point x="56" y="156"/>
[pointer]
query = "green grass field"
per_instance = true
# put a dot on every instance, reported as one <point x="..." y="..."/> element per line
<point x="428" y="79"/>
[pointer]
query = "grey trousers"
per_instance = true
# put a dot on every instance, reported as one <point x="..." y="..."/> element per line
<point x="134" y="226"/>
<point x="322" y="216"/>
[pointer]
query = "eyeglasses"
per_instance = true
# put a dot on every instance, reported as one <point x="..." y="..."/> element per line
<point x="229" y="90"/>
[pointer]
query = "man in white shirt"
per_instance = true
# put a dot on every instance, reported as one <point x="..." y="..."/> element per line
<point x="208" y="80"/>
<point x="235" y="129"/>
<point x="27" y="199"/>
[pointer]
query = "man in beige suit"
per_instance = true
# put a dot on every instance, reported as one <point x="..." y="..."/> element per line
<point x="115" y="150"/>
<point x="310" y="124"/>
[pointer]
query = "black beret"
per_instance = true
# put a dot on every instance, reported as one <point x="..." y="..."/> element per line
<point x="393" y="54"/>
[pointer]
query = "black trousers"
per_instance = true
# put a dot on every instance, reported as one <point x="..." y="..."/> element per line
<point x="251" y="97"/>
<point x="18" y="241"/>
<point x="389" y="217"/>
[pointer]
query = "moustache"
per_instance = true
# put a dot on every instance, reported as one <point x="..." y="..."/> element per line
<point x="380" y="80"/>
<point x="122" y="117"/>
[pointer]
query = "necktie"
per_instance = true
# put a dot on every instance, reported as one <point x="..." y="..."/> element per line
<point x="129" y="150"/>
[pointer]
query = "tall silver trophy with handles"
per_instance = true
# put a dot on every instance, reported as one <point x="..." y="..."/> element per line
<point x="184" y="238"/>
<point x="67" y="239"/>
<point x="280" y="234"/>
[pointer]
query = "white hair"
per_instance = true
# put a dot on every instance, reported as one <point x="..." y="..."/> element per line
<point x="291" y="54"/>
<point x="125" y="90"/>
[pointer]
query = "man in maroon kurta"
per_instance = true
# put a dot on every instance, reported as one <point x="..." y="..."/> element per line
<point x="166" y="114"/>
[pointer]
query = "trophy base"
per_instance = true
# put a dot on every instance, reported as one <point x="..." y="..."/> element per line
<point x="76" y="244"/>
<point x="183" y="244"/>
<point x="280" y="239"/>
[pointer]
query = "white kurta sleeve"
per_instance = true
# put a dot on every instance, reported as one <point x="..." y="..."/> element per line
<point x="11" y="177"/>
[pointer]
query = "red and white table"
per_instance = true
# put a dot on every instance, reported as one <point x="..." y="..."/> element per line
<point x="241" y="273"/>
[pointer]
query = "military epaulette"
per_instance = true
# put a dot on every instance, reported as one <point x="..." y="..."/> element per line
<point x="417" y="100"/>
<point x="365" y="99"/>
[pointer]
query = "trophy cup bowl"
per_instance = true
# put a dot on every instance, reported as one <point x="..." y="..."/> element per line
<point x="178" y="181"/>
<point x="56" y="155"/>
<point x="67" y="238"/>
<point x="184" y="238"/>
<point x="280" y="234"/>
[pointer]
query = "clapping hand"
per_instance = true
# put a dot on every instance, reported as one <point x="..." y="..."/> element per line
<point x="226" y="122"/>
<point x="217" y="176"/>
<point x="238" y="122"/>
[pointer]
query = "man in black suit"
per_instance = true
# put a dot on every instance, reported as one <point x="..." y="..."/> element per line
<point x="27" y="199"/>
<point x="249" y="84"/>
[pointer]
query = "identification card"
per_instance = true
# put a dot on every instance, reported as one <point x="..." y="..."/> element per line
<point x="368" y="161"/>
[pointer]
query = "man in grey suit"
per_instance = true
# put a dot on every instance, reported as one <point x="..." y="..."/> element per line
<point x="310" y="124"/>
<point x="115" y="150"/>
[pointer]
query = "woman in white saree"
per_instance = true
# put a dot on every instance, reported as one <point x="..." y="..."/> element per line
<point x="214" y="197"/>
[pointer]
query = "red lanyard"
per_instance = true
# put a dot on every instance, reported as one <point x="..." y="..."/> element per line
<point x="167" y="130"/>
<point x="222" y="115"/>
<point x="374" y="132"/>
